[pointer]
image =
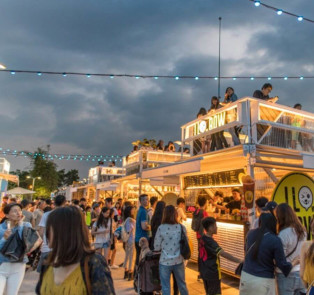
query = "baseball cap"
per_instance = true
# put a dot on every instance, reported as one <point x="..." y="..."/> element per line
<point x="270" y="206"/>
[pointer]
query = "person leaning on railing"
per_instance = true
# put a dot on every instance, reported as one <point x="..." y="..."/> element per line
<point x="264" y="93"/>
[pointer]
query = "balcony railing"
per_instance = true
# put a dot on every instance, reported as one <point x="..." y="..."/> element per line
<point x="143" y="159"/>
<point x="253" y="121"/>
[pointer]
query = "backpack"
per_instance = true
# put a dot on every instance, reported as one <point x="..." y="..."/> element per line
<point x="124" y="234"/>
<point x="197" y="220"/>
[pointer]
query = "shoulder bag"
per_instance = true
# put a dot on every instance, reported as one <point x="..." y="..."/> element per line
<point x="185" y="250"/>
<point x="14" y="248"/>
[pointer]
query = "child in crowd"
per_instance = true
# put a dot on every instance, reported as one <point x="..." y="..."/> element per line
<point x="209" y="253"/>
<point x="144" y="245"/>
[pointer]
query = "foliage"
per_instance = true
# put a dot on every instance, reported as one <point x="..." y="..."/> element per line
<point x="145" y="143"/>
<point x="67" y="178"/>
<point x="23" y="180"/>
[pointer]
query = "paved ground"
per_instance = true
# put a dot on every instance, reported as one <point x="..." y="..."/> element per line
<point x="122" y="287"/>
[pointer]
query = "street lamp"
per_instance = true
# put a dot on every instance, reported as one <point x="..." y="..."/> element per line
<point x="34" y="178"/>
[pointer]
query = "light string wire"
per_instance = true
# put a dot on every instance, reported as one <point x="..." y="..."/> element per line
<point x="281" y="11"/>
<point x="141" y="76"/>
<point x="48" y="156"/>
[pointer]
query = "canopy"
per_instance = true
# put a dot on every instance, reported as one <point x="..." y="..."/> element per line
<point x="19" y="191"/>
<point x="9" y="177"/>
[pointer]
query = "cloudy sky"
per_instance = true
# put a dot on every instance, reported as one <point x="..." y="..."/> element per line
<point x="177" y="37"/>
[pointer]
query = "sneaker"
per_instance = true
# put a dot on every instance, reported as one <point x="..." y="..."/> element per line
<point x="114" y="266"/>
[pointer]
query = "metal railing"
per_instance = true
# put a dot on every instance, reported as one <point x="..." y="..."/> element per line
<point x="253" y="121"/>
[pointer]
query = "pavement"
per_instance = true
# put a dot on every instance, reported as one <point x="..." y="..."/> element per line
<point x="123" y="287"/>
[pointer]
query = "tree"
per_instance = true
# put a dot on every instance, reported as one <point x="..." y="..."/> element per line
<point x="47" y="170"/>
<point x="71" y="176"/>
<point x="23" y="181"/>
<point x="61" y="177"/>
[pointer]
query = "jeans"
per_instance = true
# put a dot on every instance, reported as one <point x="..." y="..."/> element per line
<point x="11" y="276"/>
<point x="179" y="272"/>
<point x="290" y="285"/>
<point x="128" y="260"/>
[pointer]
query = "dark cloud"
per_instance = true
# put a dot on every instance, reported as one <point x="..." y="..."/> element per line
<point x="103" y="115"/>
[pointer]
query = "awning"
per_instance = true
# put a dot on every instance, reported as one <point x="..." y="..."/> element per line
<point x="19" y="191"/>
<point x="107" y="186"/>
<point x="173" y="169"/>
<point x="9" y="177"/>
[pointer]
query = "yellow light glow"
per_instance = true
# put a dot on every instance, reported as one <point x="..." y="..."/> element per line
<point x="2" y="67"/>
<point x="229" y="225"/>
<point x="213" y="186"/>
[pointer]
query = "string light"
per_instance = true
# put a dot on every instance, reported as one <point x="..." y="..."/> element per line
<point x="155" y="77"/>
<point x="281" y="11"/>
<point x="25" y="154"/>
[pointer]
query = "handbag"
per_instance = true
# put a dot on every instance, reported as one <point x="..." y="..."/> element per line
<point x="185" y="250"/>
<point x="14" y="248"/>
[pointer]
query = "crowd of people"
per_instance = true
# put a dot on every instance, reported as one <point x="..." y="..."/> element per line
<point x="288" y="139"/>
<point x="73" y="245"/>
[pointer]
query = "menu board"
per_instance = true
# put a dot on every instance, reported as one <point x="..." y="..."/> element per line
<point x="217" y="179"/>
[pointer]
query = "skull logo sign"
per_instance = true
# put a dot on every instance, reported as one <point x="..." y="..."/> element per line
<point x="305" y="197"/>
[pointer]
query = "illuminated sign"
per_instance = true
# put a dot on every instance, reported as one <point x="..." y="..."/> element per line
<point x="297" y="189"/>
<point x="210" y="123"/>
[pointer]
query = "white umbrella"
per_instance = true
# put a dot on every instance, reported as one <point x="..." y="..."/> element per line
<point x="19" y="191"/>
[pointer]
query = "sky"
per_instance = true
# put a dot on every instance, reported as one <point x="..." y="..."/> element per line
<point x="80" y="115"/>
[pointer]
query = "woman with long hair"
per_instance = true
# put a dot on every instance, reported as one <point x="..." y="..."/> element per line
<point x="102" y="230"/>
<point x="264" y="252"/>
<point x="307" y="260"/>
<point x="291" y="233"/>
<point x="156" y="220"/>
<point x="12" y="272"/>
<point x="72" y="266"/>
<point x="167" y="240"/>
<point x="129" y="227"/>
<point x="218" y="139"/>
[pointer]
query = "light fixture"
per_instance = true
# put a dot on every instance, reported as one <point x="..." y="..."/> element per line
<point x="257" y="3"/>
<point x="177" y="78"/>
<point x="252" y="78"/>
<point x="196" y="78"/>
<point x="2" y="67"/>
<point x="269" y="78"/>
<point x="285" y="78"/>
<point x="279" y="12"/>
<point x="301" y="78"/>
<point x="300" y="18"/>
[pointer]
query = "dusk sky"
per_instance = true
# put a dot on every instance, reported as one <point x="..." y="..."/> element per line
<point x="80" y="115"/>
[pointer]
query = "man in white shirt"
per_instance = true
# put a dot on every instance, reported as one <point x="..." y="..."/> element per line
<point x="60" y="201"/>
<point x="181" y="210"/>
<point x="38" y="213"/>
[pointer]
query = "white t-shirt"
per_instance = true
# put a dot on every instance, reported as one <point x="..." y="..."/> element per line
<point x="101" y="237"/>
<point x="43" y="223"/>
<point x="181" y="215"/>
<point x="289" y="240"/>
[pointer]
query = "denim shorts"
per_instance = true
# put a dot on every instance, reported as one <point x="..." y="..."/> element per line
<point x="102" y="245"/>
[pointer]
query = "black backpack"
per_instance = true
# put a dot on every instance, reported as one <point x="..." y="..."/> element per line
<point x="197" y="221"/>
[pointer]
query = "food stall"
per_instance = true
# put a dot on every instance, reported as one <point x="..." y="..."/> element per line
<point x="265" y="153"/>
<point x="135" y="164"/>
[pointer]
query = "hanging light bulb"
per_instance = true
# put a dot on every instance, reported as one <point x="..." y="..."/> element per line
<point x="257" y="3"/>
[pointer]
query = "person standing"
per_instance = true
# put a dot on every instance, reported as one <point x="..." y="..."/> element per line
<point x="129" y="226"/>
<point x="73" y="267"/>
<point x="12" y="273"/>
<point x="264" y="92"/>
<point x="102" y="229"/>
<point x="42" y="226"/>
<point x="39" y="212"/>
<point x="210" y="252"/>
<point x="197" y="226"/>
<point x="167" y="240"/>
<point x="153" y="202"/>
<point x="156" y="220"/>
<point x="28" y="216"/>
<point x="307" y="261"/>
<point x="260" y="203"/>
<point x="264" y="252"/>
<point x="292" y="234"/>
<point x="142" y="225"/>
<point x="181" y="210"/>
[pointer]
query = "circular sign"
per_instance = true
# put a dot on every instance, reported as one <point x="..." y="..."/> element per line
<point x="297" y="189"/>
<point x="248" y="197"/>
